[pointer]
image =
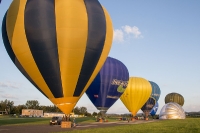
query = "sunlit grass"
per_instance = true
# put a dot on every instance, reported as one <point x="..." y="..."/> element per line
<point x="5" y="120"/>
<point x="190" y="125"/>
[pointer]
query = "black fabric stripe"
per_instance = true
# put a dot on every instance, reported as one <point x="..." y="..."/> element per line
<point x="6" y="40"/>
<point x="95" y="42"/>
<point x="12" y="55"/>
<point x="40" y="28"/>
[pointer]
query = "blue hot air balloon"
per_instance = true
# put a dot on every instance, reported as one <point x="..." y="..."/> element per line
<point x="155" y="91"/>
<point x="154" y="110"/>
<point x="146" y="108"/>
<point x="108" y="85"/>
<point x="155" y="95"/>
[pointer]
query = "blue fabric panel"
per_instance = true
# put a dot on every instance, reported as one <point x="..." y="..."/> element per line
<point x="95" y="42"/>
<point x="154" y="110"/>
<point x="40" y="30"/>
<point x="155" y="90"/>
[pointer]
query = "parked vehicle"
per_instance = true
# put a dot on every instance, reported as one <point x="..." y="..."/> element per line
<point x="56" y="120"/>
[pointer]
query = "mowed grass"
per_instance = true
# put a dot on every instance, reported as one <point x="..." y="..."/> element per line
<point x="6" y="120"/>
<point x="189" y="125"/>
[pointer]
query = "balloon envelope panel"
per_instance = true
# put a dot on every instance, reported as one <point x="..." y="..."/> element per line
<point x="136" y="94"/>
<point x="109" y="84"/>
<point x="58" y="45"/>
<point x="155" y="90"/>
<point x="154" y="110"/>
<point x="172" y="111"/>
<point x="174" y="97"/>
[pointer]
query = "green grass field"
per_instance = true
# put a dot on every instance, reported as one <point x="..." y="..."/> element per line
<point x="189" y="125"/>
<point x="6" y="120"/>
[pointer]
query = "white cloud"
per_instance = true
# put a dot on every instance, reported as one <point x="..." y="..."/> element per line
<point x="132" y="30"/>
<point x="126" y="33"/>
<point x="9" y="85"/>
<point x="118" y="35"/>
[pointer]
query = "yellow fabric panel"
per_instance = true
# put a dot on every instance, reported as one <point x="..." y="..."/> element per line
<point x="65" y="104"/>
<point x="72" y="32"/>
<point x="11" y="18"/>
<point x="106" y="49"/>
<point x="21" y="48"/>
<point x="136" y="94"/>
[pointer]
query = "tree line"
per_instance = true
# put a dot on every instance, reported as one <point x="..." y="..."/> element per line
<point x="9" y="107"/>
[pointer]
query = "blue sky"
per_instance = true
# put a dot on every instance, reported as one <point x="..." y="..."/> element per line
<point x="157" y="40"/>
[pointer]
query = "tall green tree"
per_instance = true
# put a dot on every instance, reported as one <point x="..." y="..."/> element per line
<point x="83" y="110"/>
<point x="94" y="114"/>
<point x="32" y="104"/>
<point x="7" y="106"/>
<point x="18" y="109"/>
<point x="76" y="110"/>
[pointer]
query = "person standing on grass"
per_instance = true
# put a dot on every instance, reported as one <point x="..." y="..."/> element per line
<point x="74" y="122"/>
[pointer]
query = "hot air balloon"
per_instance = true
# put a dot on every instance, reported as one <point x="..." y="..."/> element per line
<point x="155" y="90"/>
<point x="172" y="110"/>
<point x="136" y="94"/>
<point x="155" y="94"/>
<point x="58" y="45"/>
<point x="154" y="110"/>
<point x="174" y="97"/>
<point x="109" y="84"/>
<point x="148" y="106"/>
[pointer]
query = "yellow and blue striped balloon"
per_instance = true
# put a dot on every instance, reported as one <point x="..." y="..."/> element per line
<point x="58" y="45"/>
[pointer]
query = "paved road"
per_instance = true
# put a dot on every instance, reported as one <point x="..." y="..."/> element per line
<point x="57" y="128"/>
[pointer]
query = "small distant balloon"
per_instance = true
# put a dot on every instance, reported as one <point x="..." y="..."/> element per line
<point x="174" y="97"/>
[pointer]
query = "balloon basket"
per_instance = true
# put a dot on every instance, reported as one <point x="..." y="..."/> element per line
<point x="66" y="124"/>
<point x="133" y="119"/>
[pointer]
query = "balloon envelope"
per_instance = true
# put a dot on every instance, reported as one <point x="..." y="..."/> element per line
<point x="148" y="106"/>
<point x="174" y="97"/>
<point x="172" y="111"/>
<point x="58" y="45"/>
<point x="136" y="94"/>
<point x="108" y="85"/>
<point x="155" y="90"/>
<point x="154" y="110"/>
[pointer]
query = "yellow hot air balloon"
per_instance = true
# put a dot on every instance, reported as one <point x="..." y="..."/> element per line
<point x="136" y="94"/>
<point x="58" y="45"/>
